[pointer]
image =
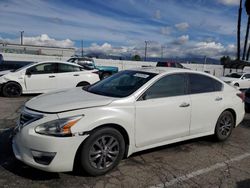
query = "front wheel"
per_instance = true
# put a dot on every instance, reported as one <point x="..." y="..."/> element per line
<point x="102" y="151"/>
<point x="11" y="89"/>
<point x="224" y="126"/>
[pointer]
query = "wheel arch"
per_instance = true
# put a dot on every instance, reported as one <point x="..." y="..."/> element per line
<point x="232" y="111"/>
<point x="118" y="127"/>
<point x="82" y="83"/>
<point x="12" y="81"/>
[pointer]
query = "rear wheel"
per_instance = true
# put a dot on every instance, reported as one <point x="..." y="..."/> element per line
<point x="102" y="151"/>
<point x="82" y="84"/>
<point x="247" y="108"/>
<point x="224" y="126"/>
<point x="105" y="75"/>
<point x="12" y="89"/>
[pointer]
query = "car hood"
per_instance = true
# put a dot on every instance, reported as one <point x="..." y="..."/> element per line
<point x="67" y="100"/>
<point x="226" y="79"/>
<point x="4" y="72"/>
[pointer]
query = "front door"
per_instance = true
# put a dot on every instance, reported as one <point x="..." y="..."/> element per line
<point x="41" y="78"/>
<point x="163" y="111"/>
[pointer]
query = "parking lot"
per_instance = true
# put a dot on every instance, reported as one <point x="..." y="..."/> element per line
<point x="197" y="163"/>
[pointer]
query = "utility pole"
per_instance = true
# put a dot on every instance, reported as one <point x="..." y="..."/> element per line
<point x="146" y="48"/>
<point x="205" y="62"/>
<point x="238" y="30"/>
<point x="82" y="47"/>
<point x="21" y="37"/>
<point x="162" y="48"/>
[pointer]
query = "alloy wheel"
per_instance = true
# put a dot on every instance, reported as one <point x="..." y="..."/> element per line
<point x="104" y="152"/>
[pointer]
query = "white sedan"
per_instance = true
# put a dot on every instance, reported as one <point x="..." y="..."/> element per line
<point x="239" y="80"/>
<point x="133" y="110"/>
<point x="45" y="76"/>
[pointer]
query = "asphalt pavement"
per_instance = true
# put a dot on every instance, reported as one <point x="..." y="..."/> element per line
<point x="195" y="163"/>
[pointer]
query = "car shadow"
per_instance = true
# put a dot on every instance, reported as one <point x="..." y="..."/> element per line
<point x="11" y="164"/>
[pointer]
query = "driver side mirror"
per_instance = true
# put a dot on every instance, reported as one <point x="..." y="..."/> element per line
<point x="243" y="78"/>
<point x="28" y="72"/>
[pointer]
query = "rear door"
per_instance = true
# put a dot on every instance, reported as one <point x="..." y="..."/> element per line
<point x="207" y="102"/>
<point x="41" y="78"/>
<point x="69" y="75"/>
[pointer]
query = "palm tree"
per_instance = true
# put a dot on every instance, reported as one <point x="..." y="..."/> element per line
<point x="238" y="30"/>
<point x="247" y="6"/>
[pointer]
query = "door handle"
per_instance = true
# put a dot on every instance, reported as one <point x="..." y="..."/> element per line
<point x="218" y="99"/>
<point x="183" y="105"/>
<point x="51" y="76"/>
<point x="76" y="75"/>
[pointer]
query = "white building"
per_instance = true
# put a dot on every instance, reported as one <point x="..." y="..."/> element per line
<point x="36" y="50"/>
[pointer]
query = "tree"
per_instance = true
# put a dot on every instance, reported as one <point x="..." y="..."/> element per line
<point x="238" y="30"/>
<point x="136" y="58"/>
<point x="247" y="7"/>
<point x="224" y="60"/>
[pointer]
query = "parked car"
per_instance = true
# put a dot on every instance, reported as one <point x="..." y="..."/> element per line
<point x="89" y="64"/>
<point x="169" y="64"/>
<point x="131" y="111"/>
<point x="45" y="76"/>
<point x="247" y="100"/>
<point x="240" y="80"/>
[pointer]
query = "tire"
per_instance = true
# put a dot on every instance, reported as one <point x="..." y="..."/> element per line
<point x="11" y="89"/>
<point x="105" y="75"/>
<point x="82" y="84"/>
<point x="236" y="85"/>
<point x="105" y="147"/>
<point x="247" y="108"/>
<point x="224" y="126"/>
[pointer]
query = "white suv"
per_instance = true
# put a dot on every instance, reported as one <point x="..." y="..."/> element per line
<point x="45" y="76"/>
<point x="240" y="80"/>
<point x="133" y="110"/>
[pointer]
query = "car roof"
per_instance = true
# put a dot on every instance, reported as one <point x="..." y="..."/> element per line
<point x="161" y="70"/>
<point x="56" y="61"/>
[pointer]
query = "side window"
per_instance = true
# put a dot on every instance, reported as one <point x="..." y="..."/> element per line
<point x="171" y="85"/>
<point x="67" y="68"/>
<point x="45" y="68"/>
<point x="202" y="84"/>
<point x="247" y="76"/>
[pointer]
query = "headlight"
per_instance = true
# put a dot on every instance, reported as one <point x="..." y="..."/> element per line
<point x="59" y="127"/>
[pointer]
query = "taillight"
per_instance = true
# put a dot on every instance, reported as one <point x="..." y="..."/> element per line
<point x="241" y="95"/>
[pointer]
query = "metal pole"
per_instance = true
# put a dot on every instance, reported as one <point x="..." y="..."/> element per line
<point x="21" y="37"/>
<point x="162" y="48"/>
<point x="82" y="48"/>
<point x="146" y="46"/>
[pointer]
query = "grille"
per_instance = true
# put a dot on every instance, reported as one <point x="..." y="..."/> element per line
<point x="26" y="118"/>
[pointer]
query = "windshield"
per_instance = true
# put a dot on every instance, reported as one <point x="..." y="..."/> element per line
<point x="24" y="67"/>
<point x="234" y="75"/>
<point x="121" y="84"/>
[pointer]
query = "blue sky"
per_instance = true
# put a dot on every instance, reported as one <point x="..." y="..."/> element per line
<point x="182" y="27"/>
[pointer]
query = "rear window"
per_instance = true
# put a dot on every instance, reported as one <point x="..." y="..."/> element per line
<point x="234" y="75"/>
<point x="202" y="84"/>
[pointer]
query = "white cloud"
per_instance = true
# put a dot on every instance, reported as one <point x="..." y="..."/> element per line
<point x="182" y="26"/>
<point x="157" y="14"/>
<point x="229" y="2"/>
<point x="181" y="40"/>
<point x="166" y="30"/>
<point x="106" y="49"/>
<point x="42" y="40"/>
